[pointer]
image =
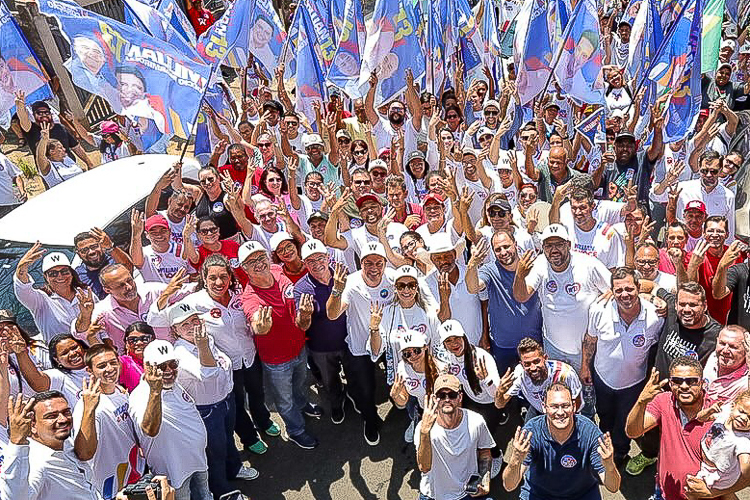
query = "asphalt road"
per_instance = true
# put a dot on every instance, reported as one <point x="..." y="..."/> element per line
<point x="345" y="467"/>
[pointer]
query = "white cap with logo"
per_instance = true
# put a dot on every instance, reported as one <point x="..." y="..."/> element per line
<point x="555" y="231"/>
<point x="158" y="351"/>
<point x="54" y="259"/>
<point x="248" y="248"/>
<point x="411" y="338"/>
<point x="278" y="237"/>
<point x="180" y="312"/>
<point x="450" y="328"/>
<point x="372" y="248"/>
<point x="311" y="247"/>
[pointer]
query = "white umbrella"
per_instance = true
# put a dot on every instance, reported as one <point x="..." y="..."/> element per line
<point x="91" y="199"/>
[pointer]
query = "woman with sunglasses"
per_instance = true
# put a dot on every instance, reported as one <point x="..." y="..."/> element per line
<point x="285" y="250"/>
<point x="137" y="336"/>
<point x="410" y="310"/>
<point x="415" y="376"/>
<point x="477" y="371"/>
<point x="66" y="358"/>
<point x="496" y="215"/>
<point x="217" y="300"/>
<point x="274" y="188"/>
<point x="56" y="304"/>
<point x="207" y="231"/>
<point x="210" y="199"/>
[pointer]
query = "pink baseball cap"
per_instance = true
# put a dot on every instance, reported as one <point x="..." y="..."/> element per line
<point x="109" y="127"/>
<point x="156" y="220"/>
<point x="696" y="205"/>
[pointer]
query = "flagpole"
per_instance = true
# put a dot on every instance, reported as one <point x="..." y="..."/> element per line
<point x="430" y="27"/>
<point x="195" y="118"/>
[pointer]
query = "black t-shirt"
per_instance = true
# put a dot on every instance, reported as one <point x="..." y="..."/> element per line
<point x="34" y="135"/>
<point x="739" y="313"/>
<point x="676" y="340"/>
<point x="220" y="214"/>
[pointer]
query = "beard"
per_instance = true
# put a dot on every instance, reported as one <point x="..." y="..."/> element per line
<point x="396" y="119"/>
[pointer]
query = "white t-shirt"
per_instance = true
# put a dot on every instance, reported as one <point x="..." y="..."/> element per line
<point x="175" y="228"/>
<point x="454" y="456"/>
<point x="60" y="171"/>
<point x="117" y="459"/>
<point x="358" y="297"/>
<point x="557" y="371"/>
<point x="566" y="297"/>
<point x="722" y="447"/>
<point x="622" y="350"/>
<point x="480" y="192"/>
<point x="720" y="201"/>
<point x="666" y="281"/>
<point x="488" y="385"/>
<point x="162" y="266"/>
<point x="69" y="383"/>
<point x="207" y="385"/>
<point x="384" y="133"/>
<point x="8" y="172"/>
<point x="358" y="237"/>
<point x="602" y="242"/>
<point x="182" y="433"/>
<point x="415" y="382"/>
<point x="465" y="307"/>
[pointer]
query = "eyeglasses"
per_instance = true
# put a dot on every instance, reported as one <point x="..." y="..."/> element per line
<point x="359" y="152"/>
<point x="208" y="180"/>
<point x="441" y="395"/>
<point x="491" y="113"/>
<point x="709" y="171"/>
<point x="172" y="364"/>
<point x="410" y="286"/>
<point x="678" y="381"/>
<point x="43" y="112"/>
<point x="361" y="182"/>
<point x="264" y="145"/>
<point x="451" y="117"/>
<point x="144" y="339"/>
<point x="292" y="124"/>
<point x="210" y="230"/>
<point x="378" y="173"/>
<point x="397" y="110"/>
<point x="646" y="262"/>
<point x="255" y="262"/>
<point x="344" y="140"/>
<point x="409" y="353"/>
<point x="314" y="184"/>
<point x="497" y="212"/>
<point x="55" y="273"/>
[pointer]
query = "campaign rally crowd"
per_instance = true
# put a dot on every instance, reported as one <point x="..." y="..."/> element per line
<point x="494" y="212"/>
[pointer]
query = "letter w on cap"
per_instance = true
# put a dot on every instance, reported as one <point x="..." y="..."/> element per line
<point x="163" y="350"/>
<point x="372" y="247"/>
<point x="54" y="258"/>
<point x="448" y="327"/>
<point x="184" y="307"/>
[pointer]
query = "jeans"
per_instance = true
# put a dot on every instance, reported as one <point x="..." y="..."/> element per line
<point x="613" y="406"/>
<point x="221" y="453"/>
<point x="288" y="385"/>
<point x="195" y="487"/>
<point x="361" y="384"/>
<point x="329" y="366"/>
<point x="248" y="387"/>
<point x="574" y="360"/>
<point x="504" y="358"/>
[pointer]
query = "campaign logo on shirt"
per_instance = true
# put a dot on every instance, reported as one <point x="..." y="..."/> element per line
<point x="187" y="397"/>
<point x="384" y="293"/>
<point x="412" y="383"/>
<point x="236" y="303"/>
<point x="215" y="313"/>
<point x="453" y="369"/>
<point x="568" y="461"/>
<point x="573" y="288"/>
<point x="156" y="259"/>
<point x="355" y="223"/>
<point x="420" y="328"/>
<point x="289" y="292"/>
<point x="692" y="354"/>
<point x="639" y="340"/>
<point x="234" y="263"/>
<point x="552" y="286"/>
<point x="218" y="207"/>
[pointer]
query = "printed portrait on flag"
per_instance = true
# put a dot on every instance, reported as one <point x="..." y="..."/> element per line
<point x="91" y="61"/>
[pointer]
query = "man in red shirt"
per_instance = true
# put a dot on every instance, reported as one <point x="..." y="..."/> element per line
<point x="676" y="412"/>
<point x="268" y="304"/>
<point x="200" y="17"/>
<point x="704" y="263"/>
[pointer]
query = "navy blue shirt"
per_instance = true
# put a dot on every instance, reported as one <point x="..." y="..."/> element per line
<point x="90" y="277"/>
<point x="323" y="335"/>
<point x="510" y="320"/>
<point x="562" y="471"/>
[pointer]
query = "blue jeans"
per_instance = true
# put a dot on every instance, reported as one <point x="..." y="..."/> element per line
<point x="574" y="360"/>
<point x="248" y="389"/>
<point x="195" y="487"/>
<point x="221" y="453"/>
<point x="287" y="383"/>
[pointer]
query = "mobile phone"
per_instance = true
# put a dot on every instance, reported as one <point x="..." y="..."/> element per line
<point x="472" y="485"/>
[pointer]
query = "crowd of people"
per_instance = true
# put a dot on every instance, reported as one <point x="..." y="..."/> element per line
<point x="477" y="270"/>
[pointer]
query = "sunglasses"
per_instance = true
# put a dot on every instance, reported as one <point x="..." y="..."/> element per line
<point x="359" y="152"/>
<point x="314" y="184"/>
<point x="264" y="145"/>
<point x="691" y="381"/>
<point x="451" y="117"/>
<point x="361" y="183"/>
<point x="491" y="113"/>
<point x="709" y="171"/>
<point x="208" y="180"/>
<point x="378" y="173"/>
<point x="344" y="140"/>
<point x="56" y="273"/>
<point x="441" y="395"/>
<point x="402" y="286"/>
<point x="409" y="353"/>
<point x="172" y="364"/>
<point x="210" y="230"/>
<point x="496" y="212"/>
<point x="144" y="339"/>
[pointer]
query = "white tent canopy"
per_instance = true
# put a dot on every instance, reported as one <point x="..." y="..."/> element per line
<point x="92" y="199"/>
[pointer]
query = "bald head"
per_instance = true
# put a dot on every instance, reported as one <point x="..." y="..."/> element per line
<point x="558" y="161"/>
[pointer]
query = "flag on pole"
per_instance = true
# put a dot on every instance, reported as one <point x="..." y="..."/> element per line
<point x="310" y="77"/>
<point x="558" y="12"/>
<point x="592" y="126"/>
<point x="20" y="70"/>
<point x="467" y="34"/>
<point x="392" y="46"/>
<point x="146" y="18"/>
<point x="435" y="46"/>
<point x="216" y="99"/>
<point x="645" y="38"/>
<point x="579" y="68"/>
<point x="177" y="19"/>
<point x="344" y="72"/>
<point x="534" y="59"/>
<point x="322" y="32"/>
<point x="713" y="15"/>
<point x="492" y="48"/>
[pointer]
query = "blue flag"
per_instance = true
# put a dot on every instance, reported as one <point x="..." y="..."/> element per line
<point x="148" y="19"/>
<point x="392" y="46"/>
<point x="177" y="19"/>
<point x="492" y="48"/>
<point x="216" y="99"/>
<point x="324" y="44"/>
<point x="142" y="78"/>
<point x="247" y="26"/>
<point x="310" y="78"/>
<point x="337" y="15"/>
<point x="592" y="126"/>
<point x="533" y="50"/>
<point x="468" y="36"/>
<point x="435" y="46"/>
<point x="344" y="72"/>
<point x="20" y="70"/>
<point x="579" y="68"/>
<point x="645" y="38"/>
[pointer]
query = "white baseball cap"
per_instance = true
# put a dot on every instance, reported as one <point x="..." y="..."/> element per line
<point x="450" y="328"/>
<point x="406" y="272"/>
<point x="277" y="238"/>
<point x="158" y="351"/>
<point x="311" y="140"/>
<point x="555" y="231"/>
<point x="179" y="312"/>
<point x="311" y="247"/>
<point x="372" y="248"/>
<point x="248" y="248"/>
<point x="55" y="259"/>
<point x="442" y="242"/>
<point x="411" y="338"/>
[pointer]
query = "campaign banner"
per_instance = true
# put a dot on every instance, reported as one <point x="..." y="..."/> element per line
<point x="344" y="72"/>
<point x="143" y="78"/>
<point x="20" y="70"/>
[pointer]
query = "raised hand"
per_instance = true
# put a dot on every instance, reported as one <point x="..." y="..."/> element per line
<point x="709" y="414"/>
<point x="190" y="226"/>
<point x="152" y="373"/>
<point x="506" y="382"/>
<point x="653" y="387"/>
<point x="340" y="274"/>
<point x="264" y="320"/>
<point x="19" y="419"/>
<point x="521" y="445"/>
<point x="732" y="254"/>
<point x="32" y="255"/>
<point x="430" y="413"/>
<point x="479" y="252"/>
<point x="376" y="315"/>
<point x="90" y="392"/>
<point x="605" y="449"/>
<point x="136" y="222"/>
<point x="306" y="305"/>
<point x="200" y="335"/>
<point x="46" y="127"/>
<point x="444" y="287"/>
<point x="699" y="253"/>
<point x="85" y="301"/>
<point x="104" y="240"/>
<point x="525" y="264"/>
<point x="480" y="368"/>
<point x="175" y="284"/>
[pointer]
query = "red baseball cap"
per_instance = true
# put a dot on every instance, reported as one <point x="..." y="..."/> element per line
<point x="156" y="220"/>
<point x="696" y="205"/>
<point x="367" y="197"/>
<point x="432" y="197"/>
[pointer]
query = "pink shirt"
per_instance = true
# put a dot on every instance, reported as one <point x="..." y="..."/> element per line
<point x="130" y="374"/>
<point x="722" y="389"/>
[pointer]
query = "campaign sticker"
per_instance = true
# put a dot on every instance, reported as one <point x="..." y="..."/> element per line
<point x="639" y="340"/>
<point x="552" y="286"/>
<point x="215" y="313"/>
<point x="218" y="207"/>
<point x="573" y="288"/>
<point x="383" y="293"/>
<point x="691" y="353"/>
<point x="568" y="461"/>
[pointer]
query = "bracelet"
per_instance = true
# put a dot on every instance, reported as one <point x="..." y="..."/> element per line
<point x="336" y="293"/>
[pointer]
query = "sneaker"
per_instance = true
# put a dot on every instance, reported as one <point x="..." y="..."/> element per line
<point x="504" y="417"/>
<point x="312" y="411"/>
<point x="258" y="448"/>
<point x="497" y="464"/>
<point x="305" y="441"/>
<point x="247" y="473"/>
<point x="338" y="414"/>
<point x="372" y="436"/>
<point x="638" y="464"/>
<point x="273" y="430"/>
<point x="354" y="405"/>
<point x="233" y="495"/>
<point x="409" y="433"/>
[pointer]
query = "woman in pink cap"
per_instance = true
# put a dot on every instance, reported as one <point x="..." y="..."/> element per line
<point x="113" y="144"/>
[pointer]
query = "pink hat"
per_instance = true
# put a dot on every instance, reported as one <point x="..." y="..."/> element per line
<point x="109" y="127"/>
<point x="696" y="205"/>
<point x="156" y="220"/>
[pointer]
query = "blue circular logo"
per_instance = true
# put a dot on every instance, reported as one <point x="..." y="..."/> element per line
<point x="383" y="293"/>
<point x="691" y="353"/>
<point x="218" y="207"/>
<point x="639" y="340"/>
<point x="568" y="461"/>
<point x="552" y="286"/>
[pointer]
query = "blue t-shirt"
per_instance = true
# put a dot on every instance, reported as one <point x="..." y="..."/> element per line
<point x="90" y="277"/>
<point x="562" y="471"/>
<point x="323" y="335"/>
<point x="510" y="320"/>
